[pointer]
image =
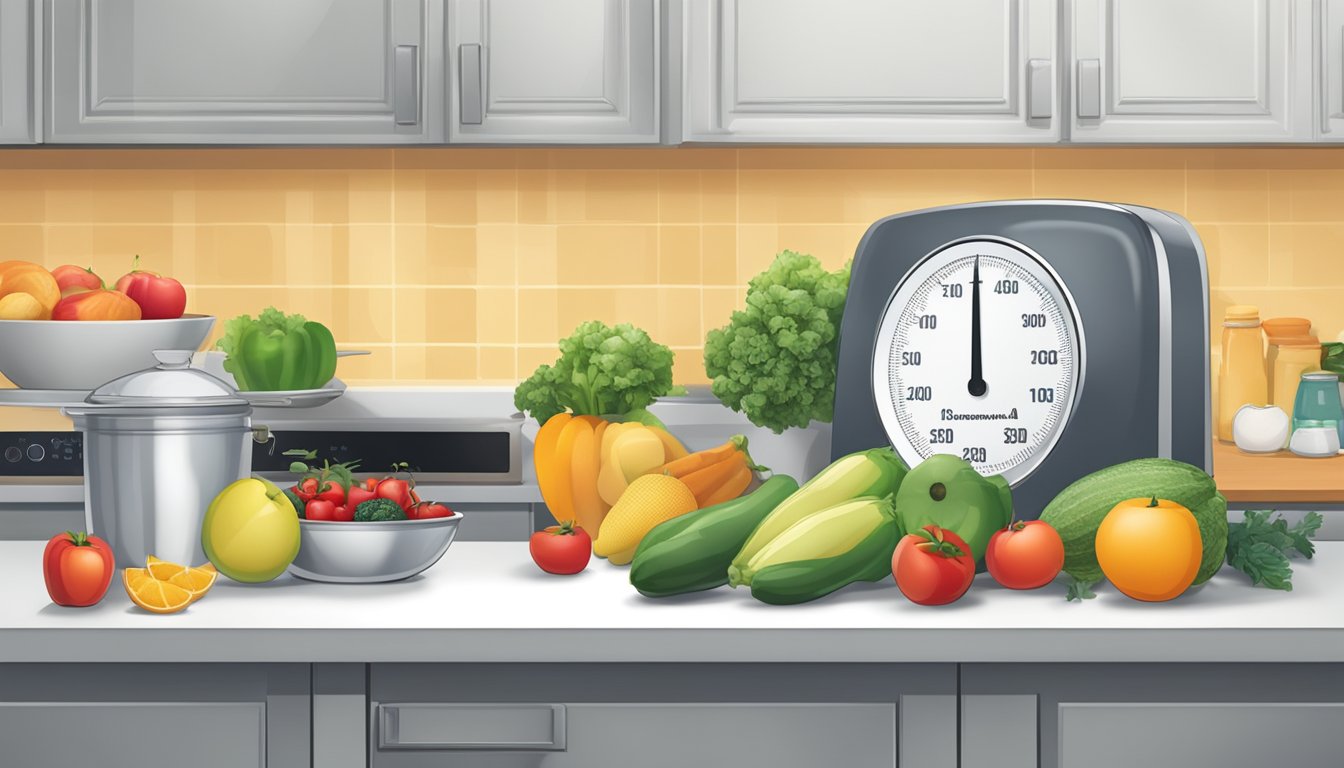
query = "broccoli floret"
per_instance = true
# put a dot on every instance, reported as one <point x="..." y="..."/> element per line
<point x="374" y="510"/>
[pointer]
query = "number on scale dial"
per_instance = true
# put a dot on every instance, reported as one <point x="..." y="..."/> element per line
<point x="979" y="354"/>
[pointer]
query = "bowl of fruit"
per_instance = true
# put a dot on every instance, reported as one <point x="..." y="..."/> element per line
<point x="366" y="531"/>
<point x="65" y="329"/>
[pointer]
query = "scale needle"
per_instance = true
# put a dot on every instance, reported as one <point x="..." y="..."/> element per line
<point x="976" y="386"/>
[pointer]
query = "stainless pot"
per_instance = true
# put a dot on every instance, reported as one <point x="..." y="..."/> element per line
<point x="159" y="445"/>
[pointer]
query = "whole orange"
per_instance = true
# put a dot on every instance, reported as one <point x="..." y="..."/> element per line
<point x="1150" y="549"/>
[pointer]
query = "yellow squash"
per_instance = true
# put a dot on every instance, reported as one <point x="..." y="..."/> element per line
<point x="649" y="501"/>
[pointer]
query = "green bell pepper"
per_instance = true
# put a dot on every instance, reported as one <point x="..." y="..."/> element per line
<point x="278" y="353"/>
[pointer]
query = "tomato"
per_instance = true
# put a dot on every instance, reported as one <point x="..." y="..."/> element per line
<point x="71" y="279"/>
<point x="160" y="298"/>
<point x="306" y="489"/>
<point x="426" y="510"/>
<point x="358" y="495"/>
<point x="319" y="509"/>
<point x="332" y="492"/>
<point x="933" y="566"/>
<point x="371" y="483"/>
<point x="562" y="549"/>
<point x="396" y="490"/>
<point x="96" y="305"/>
<point x="1025" y="555"/>
<point x="343" y="514"/>
<point x="77" y="568"/>
<point x="1150" y="549"/>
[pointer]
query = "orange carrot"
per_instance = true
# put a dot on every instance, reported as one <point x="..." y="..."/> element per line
<point x="708" y="457"/>
<point x="706" y="482"/>
<point x="731" y="489"/>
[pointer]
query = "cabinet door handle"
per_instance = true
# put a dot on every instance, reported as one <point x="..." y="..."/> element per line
<point x="406" y="90"/>
<point x="1039" y="90"/>
<point x="470" y="90"/>
<point x="1089" y="89"/>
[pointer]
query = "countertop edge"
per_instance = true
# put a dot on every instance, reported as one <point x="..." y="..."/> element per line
<point x="1324" y="645"/>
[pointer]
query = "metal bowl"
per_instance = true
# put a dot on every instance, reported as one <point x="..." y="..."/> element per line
<point x="85" y="354"/>
<point x="392" y="550"/>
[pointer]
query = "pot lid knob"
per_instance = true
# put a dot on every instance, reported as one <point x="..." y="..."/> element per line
<point x="173" y="358"/>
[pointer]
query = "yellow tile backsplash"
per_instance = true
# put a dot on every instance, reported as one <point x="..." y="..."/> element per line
<point x="466" y="265"/>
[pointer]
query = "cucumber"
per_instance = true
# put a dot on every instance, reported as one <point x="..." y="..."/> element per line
<point x="874" y="472"/>
<point x="799" y="581"/>
<point x="692" y="552"/>
<point x="1078" y="510"/>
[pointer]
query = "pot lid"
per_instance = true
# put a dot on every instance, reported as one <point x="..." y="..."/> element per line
<point x="173" y="382"/>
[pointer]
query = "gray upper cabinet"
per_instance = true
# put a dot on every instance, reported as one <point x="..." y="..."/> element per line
<point x="1329" y="50"/>
<point x="554" y="71"/>
<point x="871" y="71"/>
<point x="16" y="72"/>
<point x="1207" y="71"/>
<point x="244" y="71"/>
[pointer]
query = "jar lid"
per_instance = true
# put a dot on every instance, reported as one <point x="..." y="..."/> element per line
<point x="173" y="382"/>
<point x="1242" y="312"/>
<point x="1287" y="326"/>
<point x="1294" y="340"/>
<point x="1320" y="376"/>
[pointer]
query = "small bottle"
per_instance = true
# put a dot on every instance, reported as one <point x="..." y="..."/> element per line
<point x="1242" y="378"/>
<point x="1279" y="333"/>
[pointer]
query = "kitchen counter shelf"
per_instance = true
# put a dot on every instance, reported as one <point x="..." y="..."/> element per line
<point x="486" y="601"/>
<point x="1277" y="478"/>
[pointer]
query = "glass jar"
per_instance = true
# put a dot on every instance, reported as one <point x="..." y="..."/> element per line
<point x="1281" y="332"/>
<point x="1242" y="378"/>
<point x="1318" y="404"/>
<point x="1293" y="361"/>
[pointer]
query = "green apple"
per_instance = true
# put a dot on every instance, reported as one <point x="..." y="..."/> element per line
<point x="947" y="492"/>
<point x="251" y="531"/>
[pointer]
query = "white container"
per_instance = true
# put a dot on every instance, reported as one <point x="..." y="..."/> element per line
<point x="1261" y="429"/>
<point x="84" y="354"/>
<point x="1315" y="442"/>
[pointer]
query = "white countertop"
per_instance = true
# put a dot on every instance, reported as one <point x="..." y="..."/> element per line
<point x="488" y="602"/>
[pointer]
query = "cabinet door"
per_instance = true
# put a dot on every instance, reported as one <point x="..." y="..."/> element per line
<point x="244" y="71"/>
<point x="617" y="715"/>
<point x="1329" y="29"/>
<point x="871" y="71"/>
<point x="1194" y="71"/>
<point x="554" y="71"/>
<point x="16" y="72"/>
<point x="1151" y="715"/>
<point x="139" y="715"/>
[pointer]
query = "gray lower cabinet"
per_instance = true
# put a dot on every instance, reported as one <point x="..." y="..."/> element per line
<point x="244" y="71"/>
<point x="675" y="715"/>
<point x="1151" y="715"/>
<point x="141" y="715"/>
<point x="16" y="72"/>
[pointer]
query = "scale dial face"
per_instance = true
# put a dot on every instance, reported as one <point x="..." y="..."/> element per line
<point x="1004" y="414"/>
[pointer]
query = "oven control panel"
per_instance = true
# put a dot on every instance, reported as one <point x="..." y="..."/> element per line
<point x="41" y="454"/>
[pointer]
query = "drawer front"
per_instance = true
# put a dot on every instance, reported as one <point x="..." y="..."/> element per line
<point x="610" y="735"/>
<point x="610" y="715"/>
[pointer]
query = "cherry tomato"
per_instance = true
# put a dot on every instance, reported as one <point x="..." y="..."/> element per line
<point x="332" y="492"/>
<point x="319" y="509"/>
<point x="358" y="495"/>
<point x="1025" y="555"/>
<point x="160" y="298"/>
<point x="562" y="549"/>
<point x="396" y="490"/>
<point x="77" y="568"/>
<point x="933" y="566"/>
<point x="371" y="483"/>
<point x="343" y="514"/>
<point x="429" y="509"/>
<point x="306" y="489"/>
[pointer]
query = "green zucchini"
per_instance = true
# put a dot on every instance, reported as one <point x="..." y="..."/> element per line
<point x="847" y="543"/>
<point x="691" y="552"/>
<point x="1078" y="510"/>
<point x="874" y="472"/>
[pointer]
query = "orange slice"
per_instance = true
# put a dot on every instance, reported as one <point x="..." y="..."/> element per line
<point x="153" y="595"/>
<point x="196" y="580"/>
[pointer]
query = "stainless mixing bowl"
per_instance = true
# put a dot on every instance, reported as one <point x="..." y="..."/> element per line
<point x="350" y="552"/>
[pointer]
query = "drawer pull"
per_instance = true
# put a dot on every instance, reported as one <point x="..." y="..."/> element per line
<point x="457" y="726"/>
